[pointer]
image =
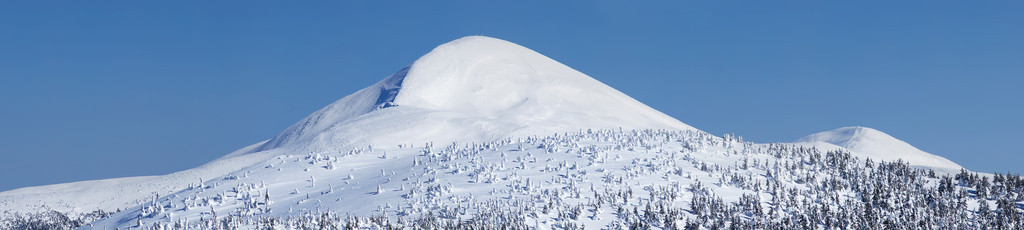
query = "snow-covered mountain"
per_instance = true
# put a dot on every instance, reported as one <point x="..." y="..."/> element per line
<point x="874" y="144"/>
<point x="482" y="132"/>
<point x="472" y="89"/>
<point x="109" y="195"/>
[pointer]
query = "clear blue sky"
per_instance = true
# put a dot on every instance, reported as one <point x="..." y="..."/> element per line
<point x="94" y="90"/>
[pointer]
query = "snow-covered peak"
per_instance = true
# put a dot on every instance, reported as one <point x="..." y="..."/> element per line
<point x="877" y="145"/>
<point x="472" y="89"/>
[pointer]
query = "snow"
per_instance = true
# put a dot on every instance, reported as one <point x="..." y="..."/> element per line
<point x="118" y="193"/>
<point x="472" y="89"/>
<point x="475" y="120"/>
<point x="413" y="181"/>
<point x="874" y="144"/>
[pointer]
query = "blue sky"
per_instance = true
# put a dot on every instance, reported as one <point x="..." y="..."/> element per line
<point x="94" y="90"/>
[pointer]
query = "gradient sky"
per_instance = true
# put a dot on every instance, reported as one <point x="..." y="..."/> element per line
<point x="94" y="90"/>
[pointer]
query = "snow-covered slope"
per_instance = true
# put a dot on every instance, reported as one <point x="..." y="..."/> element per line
<point x="874" y="144"/>
<point x="600" y="179"/>
<point x="472" y="89"/>
<point x="481" y="129"/>
<point x="118" y="193"/>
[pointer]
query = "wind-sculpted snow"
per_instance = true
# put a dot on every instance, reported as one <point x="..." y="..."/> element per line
<point x="389" y="89"/>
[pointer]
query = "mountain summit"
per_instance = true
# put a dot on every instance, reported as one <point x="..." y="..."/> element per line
<point x="472" y="89"/>
<point x="877" y="145"/>
<point x="369" y="159"/>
